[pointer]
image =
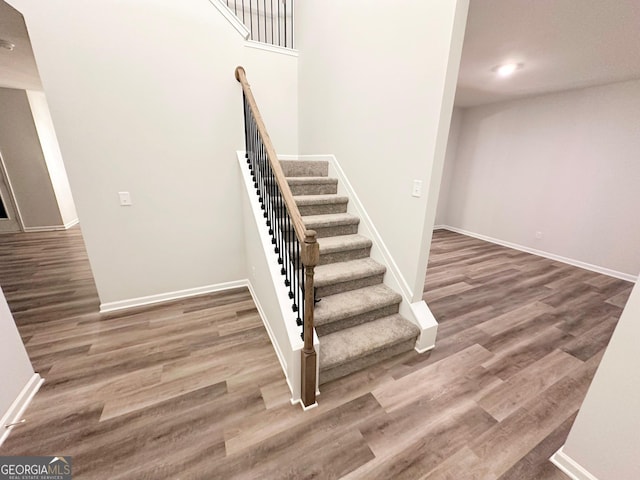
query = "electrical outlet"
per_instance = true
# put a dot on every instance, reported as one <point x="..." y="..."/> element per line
<point x="417" y="188"/>
<point x="539" y="235"/>
<point x="125" y="199"/>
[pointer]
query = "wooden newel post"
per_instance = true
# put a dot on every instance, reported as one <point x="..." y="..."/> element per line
<point x="310" y="258"/>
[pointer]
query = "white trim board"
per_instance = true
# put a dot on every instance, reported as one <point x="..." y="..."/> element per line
<point x="169" y="296"/>
<point x="19" y="405"/>
<point x="47" y="228"/>
<point x="271" y="48"/>
<point x="552" y="256"/>
<point x="231" y="18"/>
<point x="570" y="467"/>
<point x="72" y="223"/>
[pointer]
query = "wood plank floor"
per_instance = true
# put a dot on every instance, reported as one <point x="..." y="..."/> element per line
<point x="192" y="389"/>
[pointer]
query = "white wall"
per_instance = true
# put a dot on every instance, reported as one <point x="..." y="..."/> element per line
<point x="26" y="167"/>
<point x="604" y="438"/>
<point x="449" y="161"/>
<point x="144" y="99"/>
<point x="376" y="87"/>
<point x="52" y="156"/>
<point x="15" y="367"/>
<point x="564" y="164"/>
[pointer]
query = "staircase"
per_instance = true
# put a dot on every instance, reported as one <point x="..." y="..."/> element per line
<point x="357" y="319"/>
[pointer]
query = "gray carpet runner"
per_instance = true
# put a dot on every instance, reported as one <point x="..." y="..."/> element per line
<point x="357" y="318"/>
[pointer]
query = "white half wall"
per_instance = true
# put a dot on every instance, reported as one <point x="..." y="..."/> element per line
<point x="604" y="439"/>
<point x="144" y="100"/>
<point x="52" y="156"/>
<point x="25" y="162"/>
<point x="16" y="371"/>
<point x="565" y="165"/>
<point x="377" y="83"/>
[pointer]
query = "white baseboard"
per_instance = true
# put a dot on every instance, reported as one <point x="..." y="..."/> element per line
<point x="72" y="223"/>
<point x="552" y="256"/>
<point x="19" y="405"/>
<point x="46" y="228"/>
<point x="271" y="48"/>
<point x="304" y="409"/>
<point x="228" y="14"/>
<point x="570" y="467"/>
<point x="166" y="297"/>
<point x="439" y="227"/>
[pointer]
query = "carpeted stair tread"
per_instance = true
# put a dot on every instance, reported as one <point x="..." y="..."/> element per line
<point x="342" y="248"/>
<point x="332" y="224"/>
<point x="343" y="242"/>
<point x="329" y="220"/>
<point x="305" y="168"/>
<point x="347" y="271"/>
<point x="340" y="306"/>
<point x="363" y="340"/>
<point x="321" y="204"/>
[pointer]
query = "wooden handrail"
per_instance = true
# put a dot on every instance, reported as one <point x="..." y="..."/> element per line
<point x="309" y="248"/>
<point x="301" y="231"/>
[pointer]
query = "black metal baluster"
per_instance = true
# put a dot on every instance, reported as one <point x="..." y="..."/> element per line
<point x="251" y="17"/>
<point x="292" y="29"/>
<point x="285" y="23"/>
<point x="279" y="42"/>
<point x="271" y="16"/>
<point x="243" y="12"/>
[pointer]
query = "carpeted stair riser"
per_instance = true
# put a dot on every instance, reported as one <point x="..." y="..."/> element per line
<point x="344" y="256"/>
<point x="354" y="320"/>
<point x="313" y="185"/>
<point x="332" y="225"/>
<point x="343" y="248"/>
<point x="332" y="231"/>
<point x="333" y="288"/>
<point x="304" y="168"/>
<point x="327" y="375"/>
<point x="310" y="205"/>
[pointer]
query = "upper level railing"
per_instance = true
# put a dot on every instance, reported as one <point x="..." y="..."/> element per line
<point x="269" y="21"/>
<point x="297" y="248"/>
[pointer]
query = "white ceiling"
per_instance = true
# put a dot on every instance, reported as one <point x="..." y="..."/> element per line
<point x="17" y="67"/>
<point x="563" y="44"/>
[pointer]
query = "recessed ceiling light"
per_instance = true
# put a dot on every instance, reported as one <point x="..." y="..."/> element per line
<point x="506" y="69"/>
<point x="7" y="45"/>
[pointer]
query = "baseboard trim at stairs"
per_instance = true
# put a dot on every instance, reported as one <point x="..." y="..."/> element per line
<point x="570" y="467"/>
<point x="231" y="18"/>
<point x="52" y="228"/>
<point x="428" y="326"/>
<point x="19" y="405"/>
<point x="552" y="256"/>
<point x="169" y="296"/>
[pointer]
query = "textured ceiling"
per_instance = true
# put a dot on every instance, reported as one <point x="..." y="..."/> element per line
<point x="563" y="44"/>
